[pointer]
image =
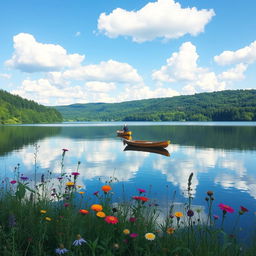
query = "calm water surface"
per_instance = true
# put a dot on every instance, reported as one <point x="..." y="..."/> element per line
<point x="222" y="157"/>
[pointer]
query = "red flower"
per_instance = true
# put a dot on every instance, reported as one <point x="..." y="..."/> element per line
<point x="96" y="193"/>
<point x="226" y="208"/>
<point x="140" y="198"/>
<point x="111" y="219"/>
<point x="13" y="181"/>
<point x="75" y="173"/>
<point x="243" y="209"/>
<point x="143" y="198"/>
<point x="83" y="211"/>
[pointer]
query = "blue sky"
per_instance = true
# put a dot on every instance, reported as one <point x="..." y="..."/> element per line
<point x="59" y="52"/>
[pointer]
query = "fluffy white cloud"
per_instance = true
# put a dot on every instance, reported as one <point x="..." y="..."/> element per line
<point x="6" y="76"/>
<point x="141" y="91"/>
<point x="163" y="18"/>
<point x="245" y="55"/>
<point x="32" y="56"/>
<point x="96" y="86"/>
<point x="236" y="73"/>
<point x="44" y="92"/>
<point x="107" y="71"/>
<point x="182" y="67"/>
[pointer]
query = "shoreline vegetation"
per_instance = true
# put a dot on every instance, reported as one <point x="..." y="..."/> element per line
<point x="16" y="110"/>
<point x="55" y="215"/>
<point x="229" y="105"/>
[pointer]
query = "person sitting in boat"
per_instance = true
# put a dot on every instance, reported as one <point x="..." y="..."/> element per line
<point x="125" y="128"/>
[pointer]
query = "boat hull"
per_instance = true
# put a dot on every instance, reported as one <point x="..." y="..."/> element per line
<point x="147" y="144"/>
<point x="161" y="151"/>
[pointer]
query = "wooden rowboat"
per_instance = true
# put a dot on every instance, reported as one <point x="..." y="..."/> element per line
<point x="161" y="151"/>
<point x="147" y="144"/>
<point x="123" y="133"/>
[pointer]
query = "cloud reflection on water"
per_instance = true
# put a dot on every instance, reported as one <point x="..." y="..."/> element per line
<point x="105" y="158"/>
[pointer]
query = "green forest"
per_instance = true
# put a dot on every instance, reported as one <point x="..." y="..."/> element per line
<point x="16" y="110"/>
<point x="229" y="105"/>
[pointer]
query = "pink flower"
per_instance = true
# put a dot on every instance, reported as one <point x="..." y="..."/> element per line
<point x="133" y="235"/>
<point x="226" y="208"/>
<point x="66" y="204"/>
<point x="132" y="219"/>
<point x="13" y="181"/>
<point x="65" y="150"/>
<point x="141" y="190"/>
<point x="75" y="173"/>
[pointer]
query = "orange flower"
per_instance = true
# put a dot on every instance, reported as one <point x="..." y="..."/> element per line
<point x="83" y="211"/>
<point x="170" y="231"/>
<point x="106" y="188"/>
<point x="97" y="207"/>
<point x="111" y="219"/>
<point x="101" y="214"/>
<point x="178" y="214"/>
<point x="81" y="192"/>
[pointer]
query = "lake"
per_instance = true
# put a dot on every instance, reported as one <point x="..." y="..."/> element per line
<point x="222" y="157"/>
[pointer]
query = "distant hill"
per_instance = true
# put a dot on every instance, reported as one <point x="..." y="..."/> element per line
<point x="16" y="110"/>
<point x="229" y="105"/>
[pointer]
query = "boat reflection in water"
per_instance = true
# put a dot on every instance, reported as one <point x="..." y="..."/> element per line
<point x="161" y="151"/>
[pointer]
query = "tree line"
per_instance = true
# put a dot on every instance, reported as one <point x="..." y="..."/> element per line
<point x="229" y="105"/>
<point x="16" y="110"/>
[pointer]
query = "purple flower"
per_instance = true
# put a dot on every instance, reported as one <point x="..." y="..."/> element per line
<point x="12" y="220"/>
<point x="24" y="178"/>
<point x="216" y="217"/>
<point x="190" y="213"/>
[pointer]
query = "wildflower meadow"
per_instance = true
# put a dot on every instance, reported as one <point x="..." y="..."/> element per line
<point x="58" y="216"/>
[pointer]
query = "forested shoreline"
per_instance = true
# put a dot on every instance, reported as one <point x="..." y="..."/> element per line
<point x="16" y="110"/>
<point x="229" y="105"/>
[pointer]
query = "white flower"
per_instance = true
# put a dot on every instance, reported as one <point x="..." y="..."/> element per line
<point x="79" y="241"/>
<point x="61" y="250"/>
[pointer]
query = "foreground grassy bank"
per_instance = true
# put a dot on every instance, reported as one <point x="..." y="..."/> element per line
<point x="56" y="216"/>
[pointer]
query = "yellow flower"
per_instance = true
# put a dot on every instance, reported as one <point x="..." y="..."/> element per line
<point x="70" y="184"/>
<point x="43" y="211"/>
<point x="178" y="214"/>
<point x="170" y="231"/>
<point x="48" y="218"/>
<point x="150" y="236"/>
<point x="79" y="186"/>
<point x="101" y="214"/>
<point x="97" y="207"/>
<point x="81" y="192"/>
<point x="126" y="231"/>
